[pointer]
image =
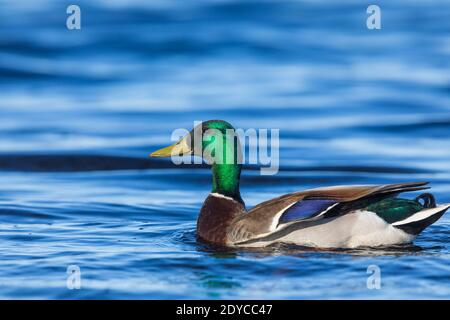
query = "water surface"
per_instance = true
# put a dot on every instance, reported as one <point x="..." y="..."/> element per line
<point x="80" y="111"/>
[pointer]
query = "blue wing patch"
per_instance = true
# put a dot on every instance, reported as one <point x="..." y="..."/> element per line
<point x="305" y="209"/>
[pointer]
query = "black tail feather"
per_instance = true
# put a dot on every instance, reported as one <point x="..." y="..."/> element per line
<point x="418" y="226"/>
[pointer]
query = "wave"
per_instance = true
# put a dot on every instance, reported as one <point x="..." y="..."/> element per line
<point x="81" y="162"/>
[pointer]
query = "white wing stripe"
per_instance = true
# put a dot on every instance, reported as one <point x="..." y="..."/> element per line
<point x="277" y="216"/>
<point x="421" y="215"/>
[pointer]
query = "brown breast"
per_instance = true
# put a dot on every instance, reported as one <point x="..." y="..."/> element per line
<point x="215" y="217"/>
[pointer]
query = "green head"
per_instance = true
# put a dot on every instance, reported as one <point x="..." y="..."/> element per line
<point x="217" y="143"/>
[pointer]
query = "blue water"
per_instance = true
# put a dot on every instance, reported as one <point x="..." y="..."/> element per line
<point x="80" y="111"/>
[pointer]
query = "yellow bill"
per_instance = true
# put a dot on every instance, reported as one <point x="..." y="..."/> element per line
<point x="177" y="149"/>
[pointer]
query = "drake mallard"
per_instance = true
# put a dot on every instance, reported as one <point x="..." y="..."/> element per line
<point x="332" y="217"/>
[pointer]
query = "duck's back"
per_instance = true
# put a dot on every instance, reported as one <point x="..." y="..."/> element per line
<point x="342" y="216"/>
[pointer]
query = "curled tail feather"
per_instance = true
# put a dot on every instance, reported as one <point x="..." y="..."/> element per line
<point x="428" y="200"/>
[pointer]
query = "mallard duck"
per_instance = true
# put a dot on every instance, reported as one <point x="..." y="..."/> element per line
<point x="332" y="217"/>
